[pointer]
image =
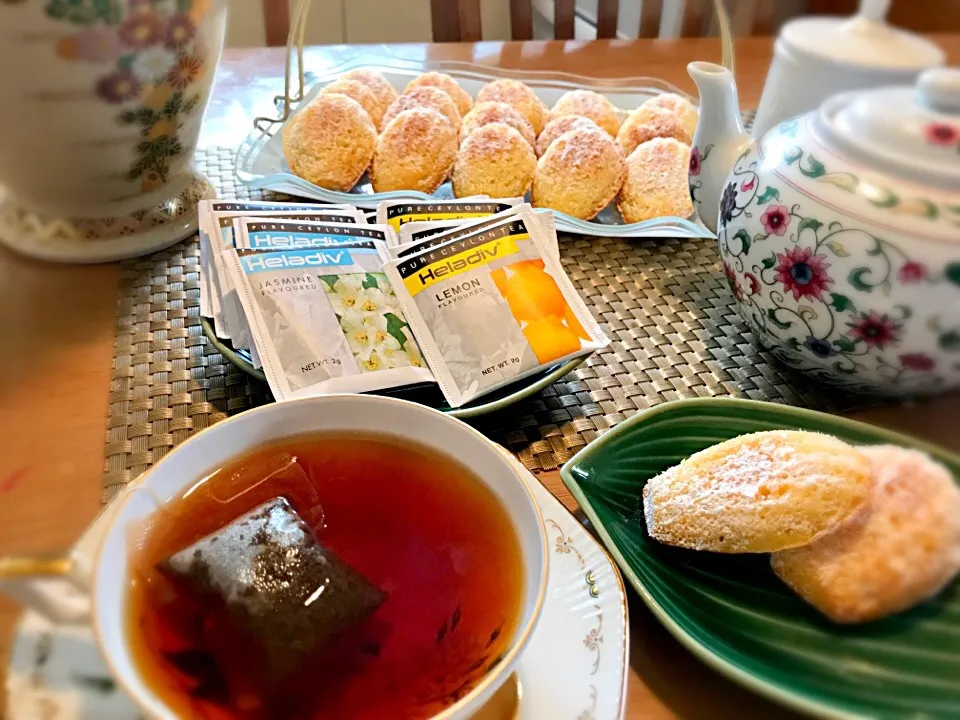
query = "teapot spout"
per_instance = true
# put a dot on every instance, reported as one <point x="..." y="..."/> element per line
<point x="719" y="140"/>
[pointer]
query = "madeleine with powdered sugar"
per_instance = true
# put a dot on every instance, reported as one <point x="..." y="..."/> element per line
<point x="496" y="161"/>
<point x="579" y="174"/>
<point x="903" y="549"/>
<point x="415" y="151"/>
<point x="330" y="142"/>
<point x="758" y="493"/>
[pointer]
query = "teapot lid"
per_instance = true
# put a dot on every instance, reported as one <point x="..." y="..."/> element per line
<point x="907" y="132"/>
<point x="864" y="39"/>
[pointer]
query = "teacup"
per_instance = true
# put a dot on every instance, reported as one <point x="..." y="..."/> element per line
<point x="103" y="585"/>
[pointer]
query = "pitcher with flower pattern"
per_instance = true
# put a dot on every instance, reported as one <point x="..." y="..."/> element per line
<point x="102" y="112"/>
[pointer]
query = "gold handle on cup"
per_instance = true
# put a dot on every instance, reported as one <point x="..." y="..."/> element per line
<point x="22" y="567"/>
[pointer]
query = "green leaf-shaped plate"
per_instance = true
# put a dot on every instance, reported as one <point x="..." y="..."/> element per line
<point x="732" y="611"/>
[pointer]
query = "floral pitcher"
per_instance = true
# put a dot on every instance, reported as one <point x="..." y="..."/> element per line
<point x="103" y="101"/>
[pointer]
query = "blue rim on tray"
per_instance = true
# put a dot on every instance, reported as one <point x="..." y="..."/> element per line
<point x="425" y="393"/>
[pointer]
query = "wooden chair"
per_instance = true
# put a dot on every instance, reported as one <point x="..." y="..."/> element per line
<point x="459" y="20"/>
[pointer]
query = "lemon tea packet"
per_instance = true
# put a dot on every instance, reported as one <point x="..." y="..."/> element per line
<point x="419" y="235"/>
<point x="396" y="213"/>
<point x="217" y="234"/>
<point x="325" y="319"/>
<point x="492" y="307"/>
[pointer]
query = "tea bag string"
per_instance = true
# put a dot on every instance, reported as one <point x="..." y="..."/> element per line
<point x="266" y="478"/>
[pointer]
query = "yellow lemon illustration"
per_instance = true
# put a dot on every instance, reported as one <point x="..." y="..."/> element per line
<point x="550" y="338"/>
<point x="499" y="277"/>
<point x="533" y="294"/>
<point x="535" y="264"/>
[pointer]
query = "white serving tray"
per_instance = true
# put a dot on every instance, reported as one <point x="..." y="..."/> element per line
<point x="260" y="162"/>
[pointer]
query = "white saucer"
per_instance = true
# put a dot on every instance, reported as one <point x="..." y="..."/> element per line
<point x="575" y="667"/>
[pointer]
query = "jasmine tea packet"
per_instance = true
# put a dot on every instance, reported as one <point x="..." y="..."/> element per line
<point x="325" y="319"/>
<point x="493" y="306"/>
<point x="206" y="229"/>
<point x="275" y="233"/>
<point x="217" y="234"/>
<point x="396" y="213"/>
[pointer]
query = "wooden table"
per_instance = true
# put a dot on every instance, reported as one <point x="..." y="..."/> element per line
<point x="57" y="328"/>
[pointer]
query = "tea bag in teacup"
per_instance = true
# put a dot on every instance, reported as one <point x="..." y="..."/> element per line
<point x="279" y="585"/>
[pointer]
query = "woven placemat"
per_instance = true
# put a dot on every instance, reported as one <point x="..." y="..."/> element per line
<point x="664" y="303"/>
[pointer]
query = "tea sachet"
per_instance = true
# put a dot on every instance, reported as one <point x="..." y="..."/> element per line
<point x="277" y="233"/>
<point x="326" y="319"/>
<point x="396" y="213"/>
<point x="492" y="307"/>
<point x="417" y="236"/>
<point x="277" y="582"/>
<point x="206" y="230"/>
<point x="221" y="237"/>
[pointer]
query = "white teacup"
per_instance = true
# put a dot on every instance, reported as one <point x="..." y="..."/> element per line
<point x="108" y="578"/>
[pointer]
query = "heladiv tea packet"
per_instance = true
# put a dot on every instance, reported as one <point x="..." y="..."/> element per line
<point x="492" y="307"/>
<point x="419" y="235"/>
<point x="325" y="319"/>
<point x="271" y="233"/>
<point x="223" y="237"/>
<point x="216" y="233"/>
<point x="208" y="226"/>
<point x="205" y="227"/>
<point x="397" y="213"/>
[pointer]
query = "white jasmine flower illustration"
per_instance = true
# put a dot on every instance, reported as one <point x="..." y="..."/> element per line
<point x="396" y="358"/>
<point x="372" y="363"/>
<point x="348" y="284"/>
<point x="412" y="349"/>
<point x="152" y="64"/>
<point x="360" y="336"/>
<point x="382" y="339"/>
<point x="372" y="300"/>
<point x="347" y="293"/>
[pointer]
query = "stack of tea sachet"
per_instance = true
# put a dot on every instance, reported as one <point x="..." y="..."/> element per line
<point x="467" y="293"/>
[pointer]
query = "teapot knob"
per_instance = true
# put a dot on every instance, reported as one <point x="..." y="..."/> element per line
<point x="939" y="90"/>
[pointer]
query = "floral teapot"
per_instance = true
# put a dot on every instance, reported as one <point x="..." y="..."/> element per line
<point x="840" y="229"/>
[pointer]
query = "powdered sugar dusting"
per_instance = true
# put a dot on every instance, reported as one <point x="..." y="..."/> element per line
<point x="759" y="493"/>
